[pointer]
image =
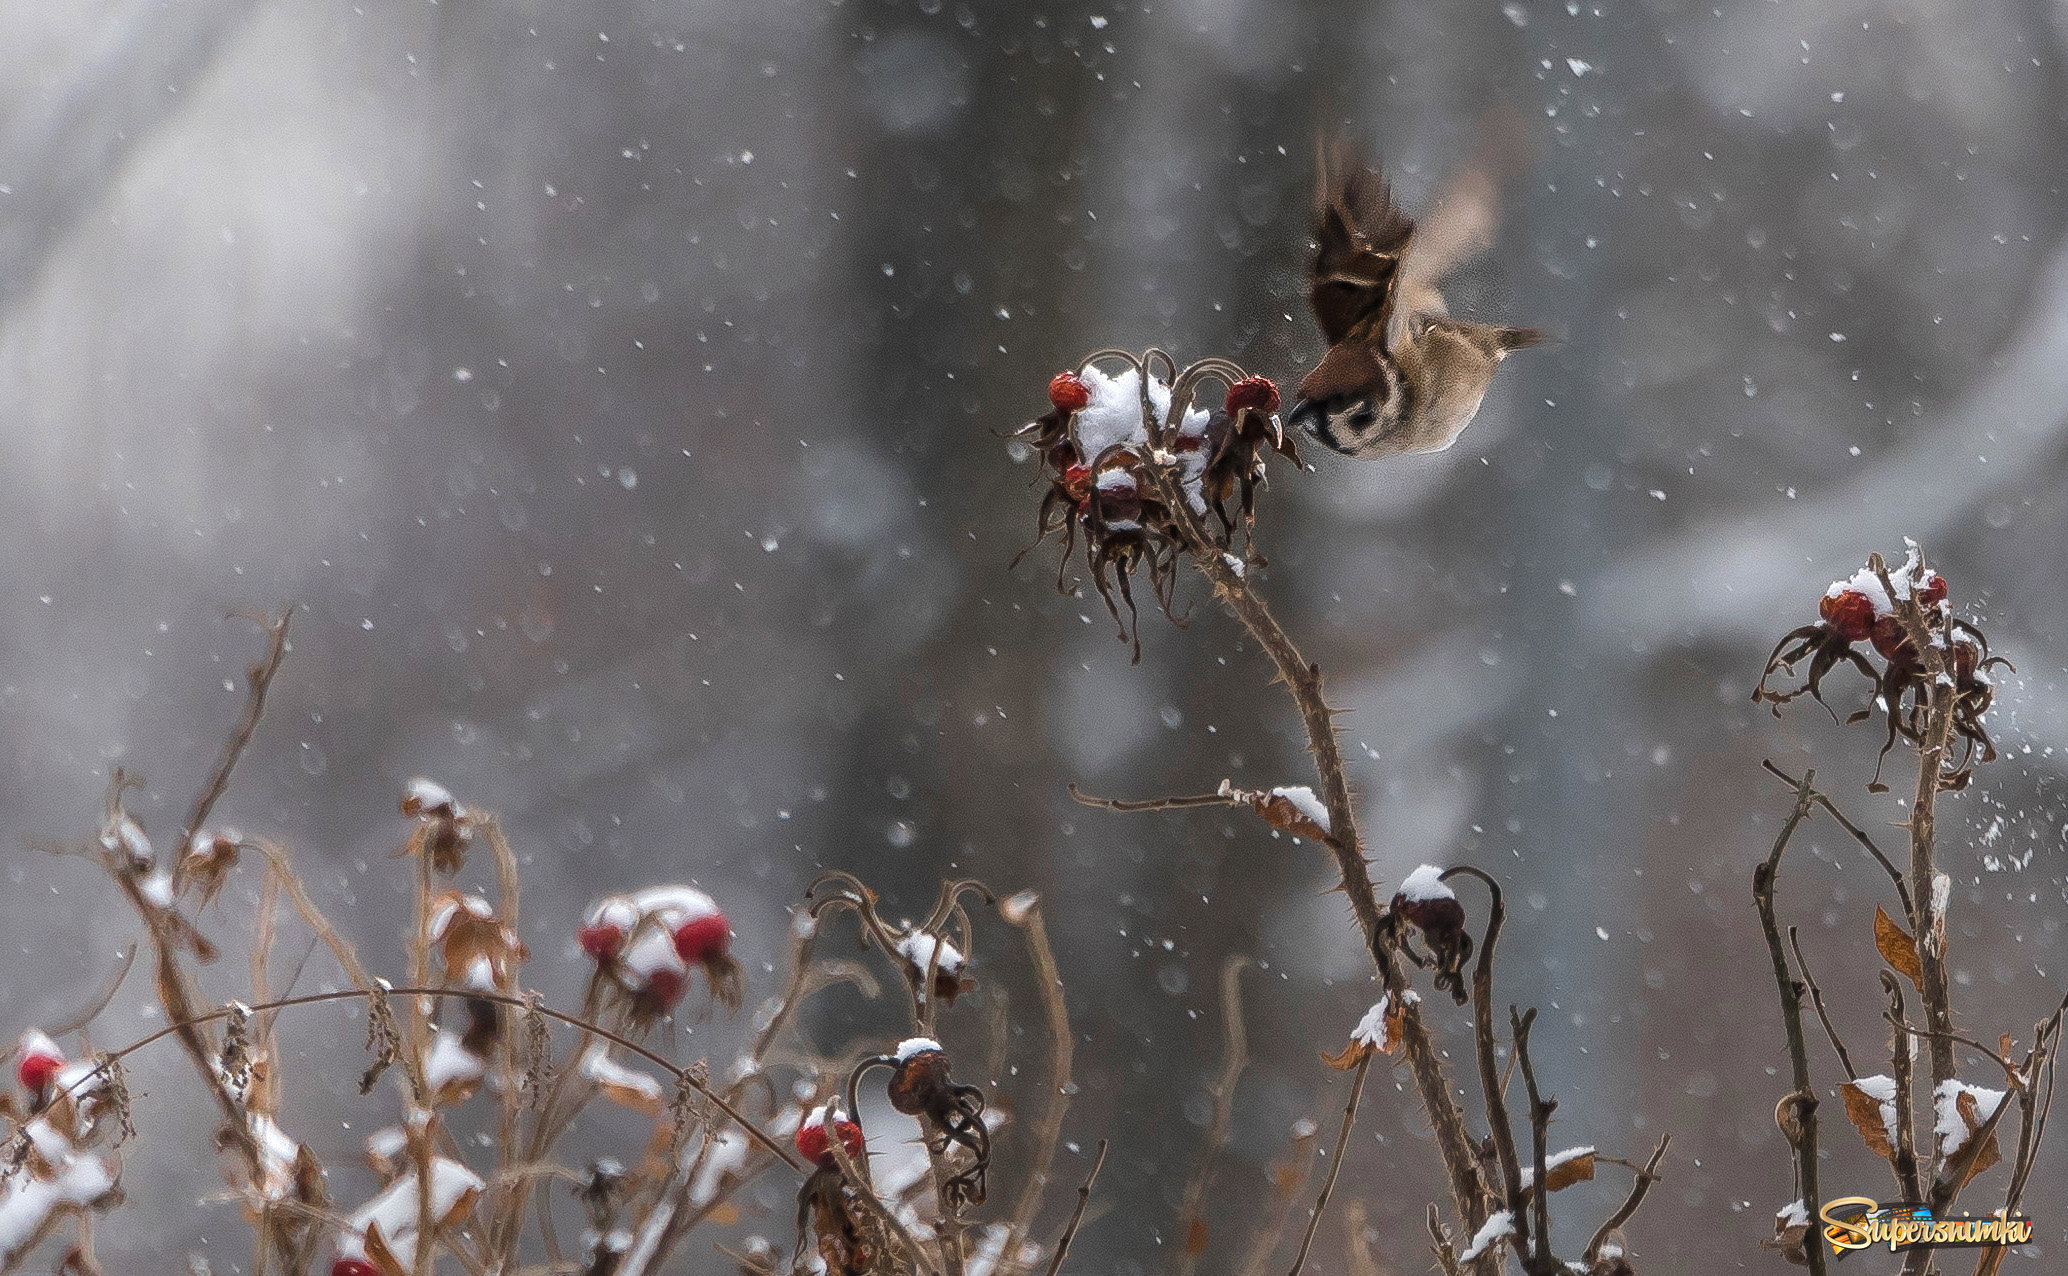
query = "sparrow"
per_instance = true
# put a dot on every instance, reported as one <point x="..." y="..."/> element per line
<point x="1400" y="375"/>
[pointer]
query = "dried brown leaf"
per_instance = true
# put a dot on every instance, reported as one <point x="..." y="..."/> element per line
<point x="1578" y="1169"/>
<point x="1864" y="1111"/>
<point x="1897" y="948"/>
<point x="1352" y="1055"/>
<point x="1981" y="1157"/>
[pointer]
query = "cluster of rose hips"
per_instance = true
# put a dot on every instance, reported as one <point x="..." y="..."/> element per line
<point x="921" y="1085"/>
<point x="646" y="944"/>
<point x="1858" y="611"/>
<point x="1125" y="521"/>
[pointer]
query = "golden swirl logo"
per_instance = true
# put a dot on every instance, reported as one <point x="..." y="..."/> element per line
<point x="1860" y="1222"/>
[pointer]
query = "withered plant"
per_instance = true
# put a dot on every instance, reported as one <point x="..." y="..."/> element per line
<point x="456" y="1026"/>
<point x="1937" y="1132"/>
<point x="1139" y="433"/>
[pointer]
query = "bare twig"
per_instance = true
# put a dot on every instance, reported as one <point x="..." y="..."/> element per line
<point x="1234" y="1058"/>
<point x="1817" y="1001"/>
<point x="1024" y="911"/>
<point x="1540" y="1110"/>
<point x="1098" y="1161"/>
<point x="1491" y="1085"/>
<point x="1765" y="879"/>
<point x="1288" y="1178"/>
<point x="259" y="680"/>
<point x="1342" y="1151"/>
<point x="1859" y="835"/>
<point x="1628" y="1209"/>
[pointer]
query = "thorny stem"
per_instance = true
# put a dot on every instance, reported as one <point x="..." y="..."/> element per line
<point x="1817" y="1001"/>
<point x="1905" y="1159"/>
<point x="1859" y="835"/>
<point x="1303" y="682"/>
<point x="1764" y="878"/>
<point x="1938" y="1014"/>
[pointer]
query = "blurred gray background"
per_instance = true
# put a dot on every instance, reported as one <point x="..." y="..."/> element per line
<point x="617" y="388"/>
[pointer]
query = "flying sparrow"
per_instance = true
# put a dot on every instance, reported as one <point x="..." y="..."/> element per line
<point x="1400" y="375"/>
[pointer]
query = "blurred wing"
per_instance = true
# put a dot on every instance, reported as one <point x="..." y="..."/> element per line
<point x="1361" y="238"/>
<point x="1467" y="210"/>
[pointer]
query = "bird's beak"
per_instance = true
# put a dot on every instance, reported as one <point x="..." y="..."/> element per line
<point x="1306" y="414"/>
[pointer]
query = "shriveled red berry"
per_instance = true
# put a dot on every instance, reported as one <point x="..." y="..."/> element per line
<point x="1067" y="391"/>
<point x="1850" y="614"/>
<point x="1077" y="482"/>
<point x="814" y="1145"/>
<point x="37" y="1069"/>
<point x="700" y="940"/>
<point x="601" y="940"/>
<point x="1933" y="591"/>
<point x="1256" y="394"/>
<point x="353" y="1267"/>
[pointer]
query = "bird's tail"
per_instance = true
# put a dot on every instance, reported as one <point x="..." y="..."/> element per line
<point x="1509" y="340"/>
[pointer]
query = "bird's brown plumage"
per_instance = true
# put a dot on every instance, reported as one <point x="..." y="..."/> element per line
<point x="1362" y="238"/>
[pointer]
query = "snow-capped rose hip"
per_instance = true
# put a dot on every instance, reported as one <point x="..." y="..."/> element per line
<point x="1427" y="902"/>
<point x="353" y="1267"/>
<point x="1068" y="392"/>
<point x="1933" y="591"/>
<point x="1850" y="614"/>
<point x="702" y="938"/>
<point x="38" y="1063"/>
<point x="601" y="940"/>
<point x="1253" y="394"/>
<point x="814" y="1145"/>
<point x="920" y="1086"/>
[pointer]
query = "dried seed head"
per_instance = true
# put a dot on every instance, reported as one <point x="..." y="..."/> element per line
<point x="115" y="1093"/>
<point x="382" y="1040"/>
<point x="538" y="1051"/>
<point x="234" y="1059"/>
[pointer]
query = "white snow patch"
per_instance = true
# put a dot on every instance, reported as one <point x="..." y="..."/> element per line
<point x="452" y="1064"/>
<point x="913" y="1046"/>
<point x="1553" y="1161"/>
<point x="1949" y="1126"/>
<point x="598" y="1066"/>
<point x="1306" y="803"/>
<point x="918" y="948"/>
<point x="1500" y="1225"/>
<point x="1881" y="1089"/>
<point x="1426" y="883"/>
